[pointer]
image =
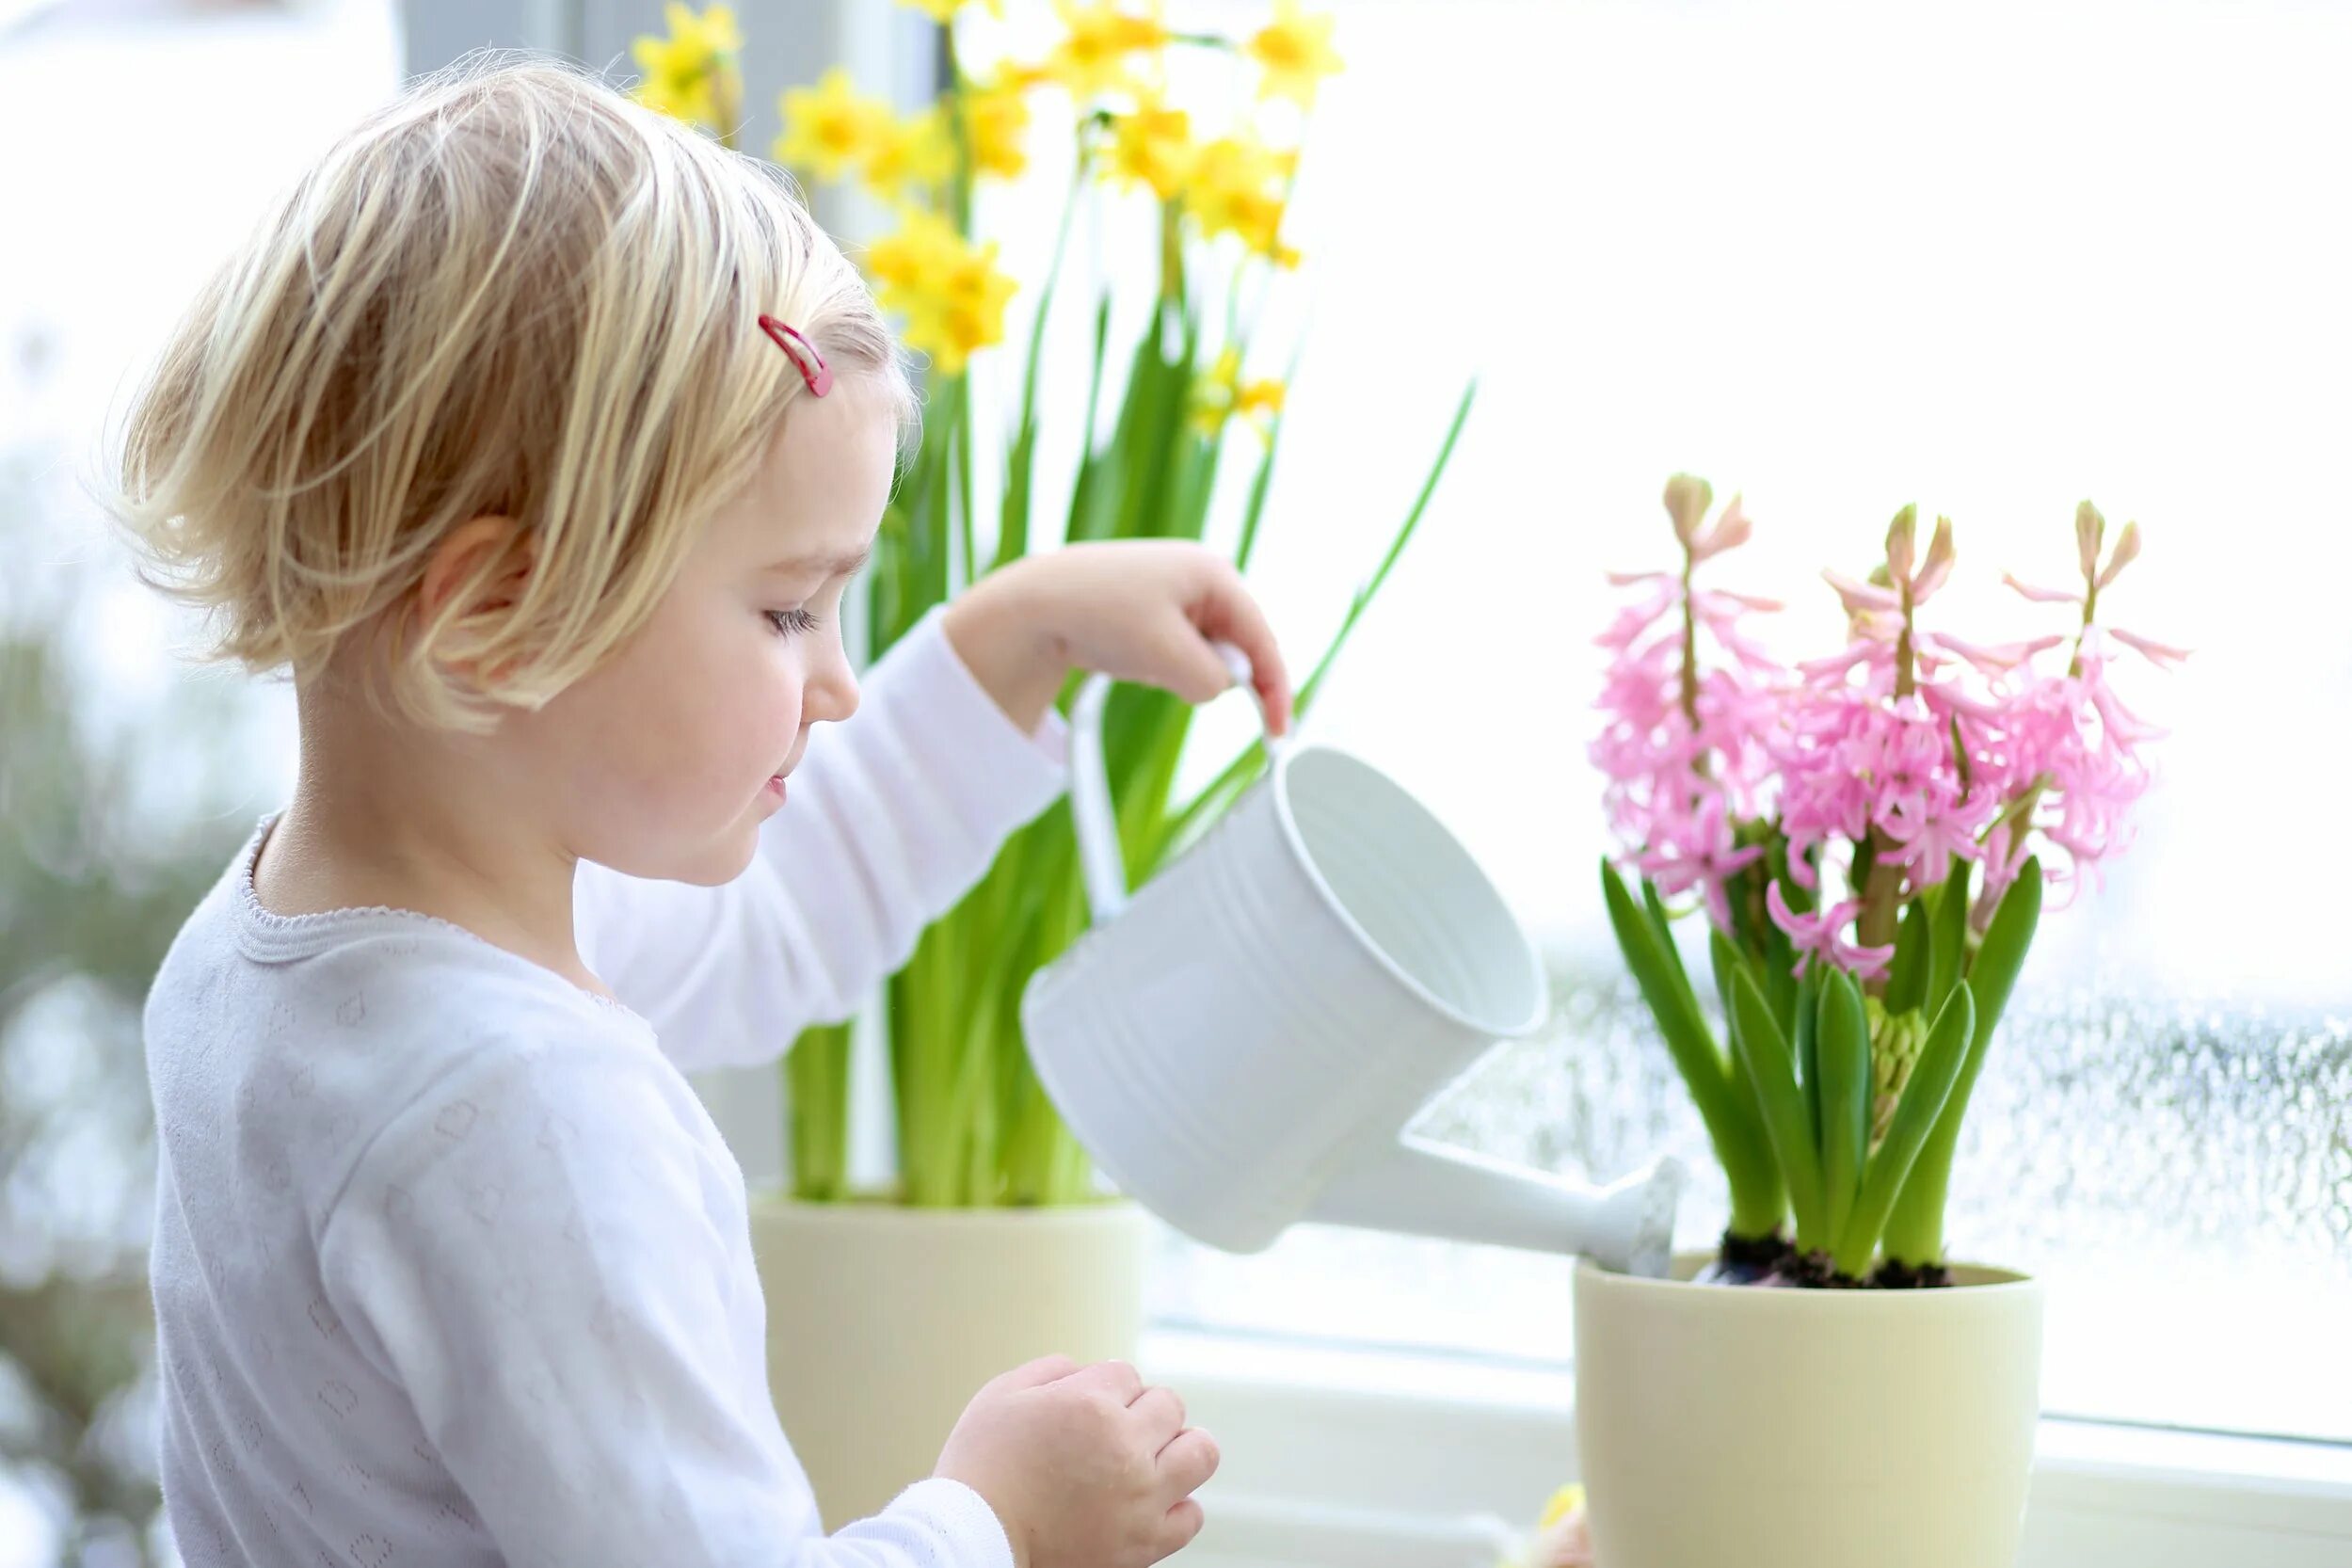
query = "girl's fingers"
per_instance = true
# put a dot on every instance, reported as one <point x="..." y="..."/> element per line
<point x="1232" y="616"/>
<point x="1118" y="1378"/>
<point x="1189" y="667"/>
<point x="1183" y="1525"/>
<point x="1188" y="1462"/>
<point x="1160" y="1412"/>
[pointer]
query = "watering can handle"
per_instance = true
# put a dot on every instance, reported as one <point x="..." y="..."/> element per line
<point x="1096" y="821"/>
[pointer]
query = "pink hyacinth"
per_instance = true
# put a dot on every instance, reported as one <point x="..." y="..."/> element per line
<point x="1822" y="935"/>
<point x="1683" y="745"/>
<point x="1698" y="850"/>
<point x="1906" y="752"/>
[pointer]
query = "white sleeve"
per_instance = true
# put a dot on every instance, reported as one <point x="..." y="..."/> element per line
<point x="892" y="817"/>
<point x="526" y="1251"/>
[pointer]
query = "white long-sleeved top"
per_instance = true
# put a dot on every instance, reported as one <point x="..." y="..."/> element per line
<point x="451" y="1267"/>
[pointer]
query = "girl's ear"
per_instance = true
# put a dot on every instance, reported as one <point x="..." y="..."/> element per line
<point x="471" y="578"/>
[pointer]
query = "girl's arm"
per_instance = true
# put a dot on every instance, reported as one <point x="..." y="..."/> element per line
<point x="891" y="818"/>
<point x="895" y="814"/>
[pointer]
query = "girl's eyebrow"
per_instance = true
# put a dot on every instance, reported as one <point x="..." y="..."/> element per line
<point x="821" y="565"/>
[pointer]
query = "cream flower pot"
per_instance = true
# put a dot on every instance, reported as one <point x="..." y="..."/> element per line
<point x="883" y="1321"/>
<point x="1742" y="1428"/>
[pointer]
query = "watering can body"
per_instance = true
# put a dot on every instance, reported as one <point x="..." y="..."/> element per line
<point x="1242" y="1044"/>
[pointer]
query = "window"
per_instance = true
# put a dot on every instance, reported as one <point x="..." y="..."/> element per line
<point x="1991" y="261"/>
<point x="140" y="150"/>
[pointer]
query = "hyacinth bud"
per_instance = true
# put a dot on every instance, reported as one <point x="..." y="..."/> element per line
<point x="1688" y="497"/>
<point x="1902" y="538"/>
<point x="1896" y="1041"/>
<point x="2126" y="551"/>
<point x="2090" y="532"/>
<point x="1732" y="529"/>
<point x="1937" y="568"/>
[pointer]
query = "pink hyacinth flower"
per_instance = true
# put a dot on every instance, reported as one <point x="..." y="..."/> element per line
<point x="1822" y="935"/>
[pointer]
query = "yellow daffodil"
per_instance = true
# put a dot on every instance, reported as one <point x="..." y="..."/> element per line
<point x="904" y="264"/>
<point x="1152" y="146"/>
<point x="831" y="128"/>
<point x="950" y="293"/>
<point x="1260" y="400"/>
<point x="1213" y="390"/>
<point x="1220" y="393"/>
<point x="1295" y="51"/>
<point x="1564" y="1502"/>
<point x="1237" y="186"/>
<point x="996" y="120"/>
<point x="693" y="73"/>
<point x="912" y="154"/>
<point x="944" y="10"/>
<point x="1564" y="1538"/>
<point x="1092" y="59"/>
<point x="972" y="310"/>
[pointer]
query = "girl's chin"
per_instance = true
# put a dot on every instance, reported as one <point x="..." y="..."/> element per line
<point x="728" y="853"/>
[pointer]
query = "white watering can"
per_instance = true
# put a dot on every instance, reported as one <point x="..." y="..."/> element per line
<point x="1242" y="1044"/>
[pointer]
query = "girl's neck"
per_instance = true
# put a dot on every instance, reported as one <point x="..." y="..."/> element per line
<point x="410" y="821"/>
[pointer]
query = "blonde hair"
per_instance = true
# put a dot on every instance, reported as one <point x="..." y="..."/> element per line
<point x="511" y="292"/>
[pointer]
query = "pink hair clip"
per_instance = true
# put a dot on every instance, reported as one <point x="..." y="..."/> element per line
<point x="803" y="354"/>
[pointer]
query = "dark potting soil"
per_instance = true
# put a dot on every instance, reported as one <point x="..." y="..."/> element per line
<point x="1904" y="1276"/>
<point x="1746" y="1260"/>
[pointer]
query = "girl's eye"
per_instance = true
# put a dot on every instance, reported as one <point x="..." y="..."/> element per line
<point x="789" y="622"/>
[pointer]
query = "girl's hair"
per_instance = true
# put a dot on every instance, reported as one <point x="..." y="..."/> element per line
<point x="512" y="291"/>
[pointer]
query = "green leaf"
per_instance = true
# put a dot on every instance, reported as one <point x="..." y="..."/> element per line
<point x="1255" y="509"/>
<point x="1020" y="460"/>
<point x="1914" y="1232"/>
<point x="1663" y="925"/>
<point x="1907" y="977"/>
<point x="1924" y="1097"/>
<point x="817" y="1073"/>
<point x="1096" y="491"/>
<point x="1724" y="958"/>
<point x="1776" y="971"/>
<point x="1740" y="1140"/>
<point x="1159" y="406"/>
<point x="1364" y="595"/>
<point x="1764" y="1052"/>
<point x="1808" y="1044"/>
<point x="1948" y="937"/>
<point x="1844" y="1030"/>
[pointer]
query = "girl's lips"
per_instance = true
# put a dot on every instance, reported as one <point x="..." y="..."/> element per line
<point x="775" y="785"/>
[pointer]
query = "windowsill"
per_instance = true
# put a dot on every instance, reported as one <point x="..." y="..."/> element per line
<point x="1329" y="1446"/>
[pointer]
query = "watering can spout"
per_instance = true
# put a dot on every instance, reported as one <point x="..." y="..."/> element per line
<point x="1426" y="1188"/>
